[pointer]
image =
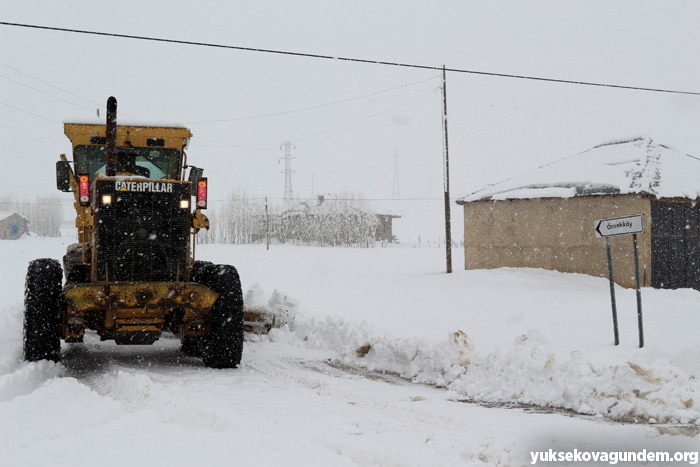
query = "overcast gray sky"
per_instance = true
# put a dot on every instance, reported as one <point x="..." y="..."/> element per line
<point x="242" y="105"/>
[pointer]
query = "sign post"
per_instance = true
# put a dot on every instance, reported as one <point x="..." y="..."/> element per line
<point x="612" y="291"/>
<point x="640" y="324"/>
<point x="606" y="228"/>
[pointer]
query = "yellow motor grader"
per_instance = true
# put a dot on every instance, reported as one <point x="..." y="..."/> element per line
<point x="132" y="275"/>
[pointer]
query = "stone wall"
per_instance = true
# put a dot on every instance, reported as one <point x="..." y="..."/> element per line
<point x="556" y="234"/>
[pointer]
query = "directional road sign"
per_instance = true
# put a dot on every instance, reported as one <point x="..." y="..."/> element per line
<point x="619" y="226"/>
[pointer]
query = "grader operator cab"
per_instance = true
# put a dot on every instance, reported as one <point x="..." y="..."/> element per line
<point x="132" y="275"/>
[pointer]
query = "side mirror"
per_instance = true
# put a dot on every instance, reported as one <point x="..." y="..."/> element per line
<point x="63" y="174"/>
<point x="195" y="174"/>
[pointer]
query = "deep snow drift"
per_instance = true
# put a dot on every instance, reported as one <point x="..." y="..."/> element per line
<point x="528" y="336"/>
<point x="503" y="337"/>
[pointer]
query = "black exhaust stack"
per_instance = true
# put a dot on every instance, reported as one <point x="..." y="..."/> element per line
<point x="111" y="166"/>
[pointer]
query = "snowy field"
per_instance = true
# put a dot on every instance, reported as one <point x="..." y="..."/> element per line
<point x="472" y="368"/>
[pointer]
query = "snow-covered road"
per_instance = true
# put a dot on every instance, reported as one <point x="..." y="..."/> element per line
<point x="302" y="397"/>
<point x="286" y="405"/>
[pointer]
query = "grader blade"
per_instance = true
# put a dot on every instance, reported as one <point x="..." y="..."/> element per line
<point x="260" y="319"/>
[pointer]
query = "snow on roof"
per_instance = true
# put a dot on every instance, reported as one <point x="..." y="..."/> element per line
<point x="124" y="122"/>
<point x="632" y="166"/>
<point x="5" y="214"/>
<point x="320" y="205"/>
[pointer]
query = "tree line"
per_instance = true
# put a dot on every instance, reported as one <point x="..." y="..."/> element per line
<point x="44" y="214"/>
<point x="344" y="221"/>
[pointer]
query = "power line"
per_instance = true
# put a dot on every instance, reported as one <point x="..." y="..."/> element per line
<point x="55" y="135"/>
<point x="365" y="118"/>
<point x="45" y="93"/>
<point x="210" y="143"/>
<point x="50" y="85"/>
<point x="221" y="145"/>
<point x="102" y="106"/>
<point x="23" y="157"/>
<point x="342" y="101"/>
<point x="30" y="113"/>
<point x="351" y="59"/>
<point x="355" y="122"/>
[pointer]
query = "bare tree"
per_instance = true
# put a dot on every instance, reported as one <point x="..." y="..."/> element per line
<point x="346" y="220"/>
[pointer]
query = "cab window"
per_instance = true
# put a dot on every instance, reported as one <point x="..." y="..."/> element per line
<point x="152" y="163"/>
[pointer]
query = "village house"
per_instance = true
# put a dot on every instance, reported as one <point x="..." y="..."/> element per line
<point x="546" y="218"/>
<point x="12" y="226"/>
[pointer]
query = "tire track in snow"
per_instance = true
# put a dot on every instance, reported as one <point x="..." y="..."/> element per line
<point x="334" y="367"/>
<point x="375" y="404"/>
<point x="291" y="391"/>
<point x="283" y="391"/>
<point x="158" y="378"/>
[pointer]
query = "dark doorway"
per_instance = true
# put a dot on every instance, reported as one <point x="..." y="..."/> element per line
<point x="675" y="245"/>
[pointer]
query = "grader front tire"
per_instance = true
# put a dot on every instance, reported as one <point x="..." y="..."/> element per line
<point x="42" y="310"/>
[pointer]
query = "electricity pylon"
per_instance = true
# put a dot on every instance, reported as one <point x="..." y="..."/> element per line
<point x="288" y="195"/>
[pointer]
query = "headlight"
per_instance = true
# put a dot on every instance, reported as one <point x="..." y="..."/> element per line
<point x="185" y="203"/>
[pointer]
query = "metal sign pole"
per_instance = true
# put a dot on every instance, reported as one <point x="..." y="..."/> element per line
<point x="612" y="291"/>
<point x="606" y="228"/>
<point x="639" y="293"/>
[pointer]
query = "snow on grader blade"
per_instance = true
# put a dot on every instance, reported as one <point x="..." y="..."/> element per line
<point x="260" y="320"/>
<point x="263" y="313"/>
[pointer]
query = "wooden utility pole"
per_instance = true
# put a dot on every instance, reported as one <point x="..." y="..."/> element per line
<point x="267" y="226"/>
<point x="446" y="176"/>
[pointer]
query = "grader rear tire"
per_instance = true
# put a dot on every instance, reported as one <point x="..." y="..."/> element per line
<point x="192" y="346"/>
<point x="223" y="346"/>
<point x="42" y="310"/>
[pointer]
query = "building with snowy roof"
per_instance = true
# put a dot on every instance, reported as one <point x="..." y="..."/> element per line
<point x="12" y="226"/>
<point x="333" y="222"/>
<point x="545" y="218"/>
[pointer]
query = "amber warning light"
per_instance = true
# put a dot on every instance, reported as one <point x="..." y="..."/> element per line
<point x="202" y="193"/>
<point x="84" y="190"/>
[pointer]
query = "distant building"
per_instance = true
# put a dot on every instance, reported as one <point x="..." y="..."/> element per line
<point x="385" y="228"/>
<point x="334" y="222"/>
<point x="12" y="226"/>
<point x="545" y="218"/>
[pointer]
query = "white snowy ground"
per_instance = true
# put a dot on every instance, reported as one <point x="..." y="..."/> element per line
<point x="511" y="361"/>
